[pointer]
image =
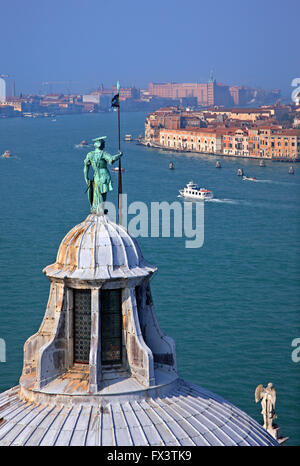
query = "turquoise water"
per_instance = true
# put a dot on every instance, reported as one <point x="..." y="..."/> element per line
<point x="232" y="306"/>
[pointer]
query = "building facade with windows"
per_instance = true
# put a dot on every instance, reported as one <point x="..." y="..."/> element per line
<point x="235" y="142"/>
<point x="210" y="93"/>
<point x="204" y="140"/>
<point x="274" y="143"/>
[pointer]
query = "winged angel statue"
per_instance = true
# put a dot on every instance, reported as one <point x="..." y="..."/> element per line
<point x="267" y="395"/>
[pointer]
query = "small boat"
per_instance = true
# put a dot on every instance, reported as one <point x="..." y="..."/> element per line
<point x="6" y="154"/>
<point x="171" y="166"/>
<point x="262" y="163"/>
<point x="240" y="172"/>
<point x="83" y="143"/>
<point x="218" y="164"/>
<point x="193" y="191"/>
<point x="249" y="178"/>
<point x="291" y="170"/>
<point x="128" y="137"/>
<point x="116" y="169"/>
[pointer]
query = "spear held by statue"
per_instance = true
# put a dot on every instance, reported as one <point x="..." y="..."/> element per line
<point x="116" y="103"/>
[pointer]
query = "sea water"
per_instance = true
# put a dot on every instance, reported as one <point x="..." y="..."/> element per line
<point x="232" y="306"/>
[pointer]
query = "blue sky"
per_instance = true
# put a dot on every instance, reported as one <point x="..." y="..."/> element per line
<point x="89" y="42"/>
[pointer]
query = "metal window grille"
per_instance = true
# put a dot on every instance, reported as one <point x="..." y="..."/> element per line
<point x="82" y="325"/>
<point x="111" y="327"/>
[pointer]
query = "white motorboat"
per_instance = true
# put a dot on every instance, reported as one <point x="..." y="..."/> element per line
<point x="6" y="154"/>
<point x="192" y="191"/>
<point x="249" y="178"/>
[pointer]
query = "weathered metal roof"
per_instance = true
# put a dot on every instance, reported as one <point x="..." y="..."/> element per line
<point x="188" y="415"/>
<point x="98" y="249"/>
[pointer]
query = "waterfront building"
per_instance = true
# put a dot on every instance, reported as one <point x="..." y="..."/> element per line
<point x="235" y="142"/>
<point x="7" y="111"/>
<point x="232" y="132"/>
<point x="168" y="117"/>
<point x="91" y="98"/>
<point x="243" y="114"/>
<point x="204" y="140"/>
<point x="274" y="143"/>
<point x="15" y="102"/>
<point x="213" y="93"/>
<point x="210" y="93"/>
<point x="126" y="92"/>
<point x="282" y="144"/>
<point x="100" y="371"/>
<point x="2" y="90"/>
<point x="254" y="142"/>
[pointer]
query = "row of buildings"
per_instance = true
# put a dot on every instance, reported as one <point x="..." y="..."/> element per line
<point x="252" y="132"/>
<point x="211" y="93"/>
<point x="42" y="105"/>
<point x="188" y="94"/>
<point x="192" y="95"/>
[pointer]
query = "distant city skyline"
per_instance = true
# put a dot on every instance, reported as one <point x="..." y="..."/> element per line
<point x="13" y="88"/>
<point x="248" y="43"/>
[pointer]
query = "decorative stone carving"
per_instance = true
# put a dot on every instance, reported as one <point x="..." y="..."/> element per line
<point x="267" y="397"/>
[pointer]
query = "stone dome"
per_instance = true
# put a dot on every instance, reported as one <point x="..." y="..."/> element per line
<point x="187" y="415"/>
<point x="100" y="371"/>
<point x="97" y="249"/>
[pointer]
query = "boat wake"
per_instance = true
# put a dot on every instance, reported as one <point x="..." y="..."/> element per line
<point x="224" y="201"/>
<point x="10" y="157"/>
<point x="266" y="181"/>
<point x="215" y="200"/>
<point x="82" y="146"/>
<point x="282" y="183"/>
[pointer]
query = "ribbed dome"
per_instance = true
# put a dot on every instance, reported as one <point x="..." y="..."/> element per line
<point x="98" y="249"/>
<point x="188" y="415"/>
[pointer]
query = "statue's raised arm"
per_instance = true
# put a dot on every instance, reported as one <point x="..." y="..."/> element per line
<point x="111" y="158"/>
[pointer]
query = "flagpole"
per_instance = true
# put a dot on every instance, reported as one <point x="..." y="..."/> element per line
<point x="120" y="168"/>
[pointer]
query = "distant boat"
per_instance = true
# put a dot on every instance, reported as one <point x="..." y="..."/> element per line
<point x="83" y="143"/>
<point x="192" y="191"/>
<point x="249" y="178"/>
<point x="262" y="163"/>
<point x="240" y="172"/>
<point x="6" y="154"/>
<point x="171" y="166"/>
<point x="128" y="137"/>
<point x="291" y="171"/>
<point x="116" y="169"/>
<point x="218" y="164"/>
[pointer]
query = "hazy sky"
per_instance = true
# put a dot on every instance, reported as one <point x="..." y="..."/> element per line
<point x="90" y="42"/>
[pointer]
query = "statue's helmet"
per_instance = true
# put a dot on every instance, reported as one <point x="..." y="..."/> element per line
<point x="99" y="141"/>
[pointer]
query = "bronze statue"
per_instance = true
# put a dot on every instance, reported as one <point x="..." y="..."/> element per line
<point x="101" y="183"/>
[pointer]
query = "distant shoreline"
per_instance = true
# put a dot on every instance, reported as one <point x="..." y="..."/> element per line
<point x="180" y="151"/>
